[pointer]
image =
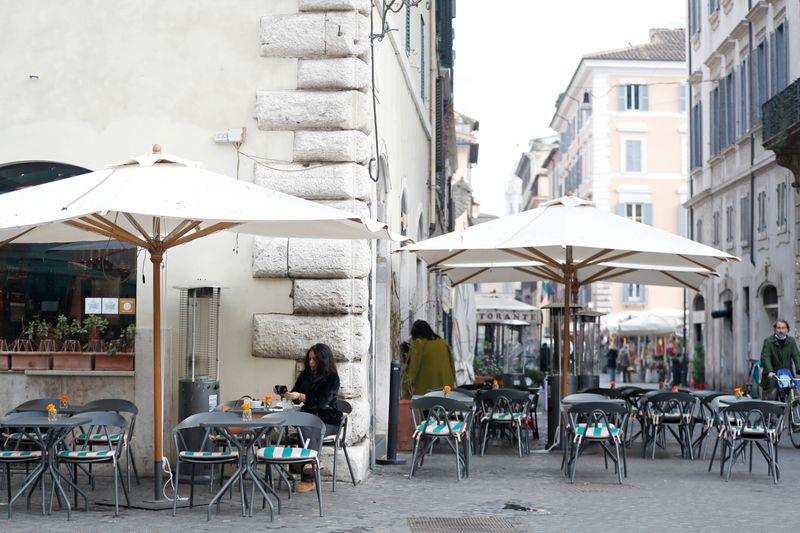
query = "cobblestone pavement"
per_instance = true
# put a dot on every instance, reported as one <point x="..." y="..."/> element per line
<point x="529" y="493"/>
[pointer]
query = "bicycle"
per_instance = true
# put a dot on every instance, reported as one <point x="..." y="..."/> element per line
<point x="787" y="391"/>
<point x="752" y="386"/>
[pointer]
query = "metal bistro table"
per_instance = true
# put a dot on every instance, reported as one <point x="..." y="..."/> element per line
<point x="257" y="427"/>
<point x="47" y="435"/>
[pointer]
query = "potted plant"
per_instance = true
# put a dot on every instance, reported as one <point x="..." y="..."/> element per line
<point x="699" y="366"/>
<point x="23" y="356"/>
<point x="70" y="357"/>
<point x="120" y="352"/>
<point x="485" y="369"/>
<point x="5" y="355"/>
<point x="94" y="325"/>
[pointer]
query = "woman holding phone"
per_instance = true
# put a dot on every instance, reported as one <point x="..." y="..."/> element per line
<point x="317" y="388"/>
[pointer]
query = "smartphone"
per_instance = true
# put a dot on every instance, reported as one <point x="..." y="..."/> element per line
<point x="281" y="389"/>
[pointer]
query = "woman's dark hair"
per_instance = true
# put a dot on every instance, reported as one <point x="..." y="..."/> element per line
<point x="422" y="330"/>
<point x="326" y="364"/>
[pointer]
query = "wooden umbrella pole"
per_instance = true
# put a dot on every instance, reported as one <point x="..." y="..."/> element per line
<point x="155" y="258"/>
<point x="565" y="344"/>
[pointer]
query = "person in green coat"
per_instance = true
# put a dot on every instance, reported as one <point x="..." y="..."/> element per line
<point x="779" y="351"/>
<point x="430" y="360"/>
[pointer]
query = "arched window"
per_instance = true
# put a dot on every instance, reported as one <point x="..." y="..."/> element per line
<point x="769" y="298"/>
<point x="699" y="303"/>
<point x="44" y="280"/>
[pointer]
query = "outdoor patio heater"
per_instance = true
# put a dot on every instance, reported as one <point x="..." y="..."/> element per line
<point x="556" y="313"/>
<point x="586" y="343"/>
<point x="198" y="348"/>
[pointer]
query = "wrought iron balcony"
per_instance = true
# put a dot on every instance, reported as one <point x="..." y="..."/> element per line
<point x="781" y="132"/>
<point x="782" y="118"/>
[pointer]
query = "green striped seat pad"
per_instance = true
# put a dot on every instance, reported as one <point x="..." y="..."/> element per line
<point x="99" y="437"/>
<point x="20" y="436"/>
<point x="753" y="430"/>
<point x="20" y="454"/>
<point x="285" y="452"/>
<point x="76" y="454"/>
<point x="441" y="429"/>
<point x="599" y="431"/>
<point x="506" y="416"/>
<point x="229" y="454"/>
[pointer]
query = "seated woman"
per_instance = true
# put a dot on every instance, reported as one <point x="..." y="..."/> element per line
<point x="317" y="388"/>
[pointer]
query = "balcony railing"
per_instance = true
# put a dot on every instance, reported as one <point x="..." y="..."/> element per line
<point x="781" y="117"/>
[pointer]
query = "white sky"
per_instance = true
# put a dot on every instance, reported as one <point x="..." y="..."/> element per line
<point x="513" y="57"/>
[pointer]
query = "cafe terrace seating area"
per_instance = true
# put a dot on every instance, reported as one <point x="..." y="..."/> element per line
<point x="247" y="454"/>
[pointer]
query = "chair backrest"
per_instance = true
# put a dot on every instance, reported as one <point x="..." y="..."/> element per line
<point x="608" y="407"/>
<point x="224" y="406"/>
<point x="299" y="419"/>
<point x="681" y="403"/>
<point x="598" y="414"/>
<point x="344" y="406"/>
<point x="450" y="404"/>
<point x="753" y="414"/>
<point x="39" y="404"/>
<point x="605" y="391"/>
<point x="112" y="404"/>
<point x="104" y="423"/>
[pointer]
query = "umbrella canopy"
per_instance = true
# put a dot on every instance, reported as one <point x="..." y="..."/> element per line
<point x="690" y="278"/>
<point x="650" y="322"/>
<point x="158" y="201"/>
<point x="564" y="237"/>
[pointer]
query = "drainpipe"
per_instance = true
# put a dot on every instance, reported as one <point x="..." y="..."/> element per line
<point x="752" y="135"/>
<point x="432" y="104"/>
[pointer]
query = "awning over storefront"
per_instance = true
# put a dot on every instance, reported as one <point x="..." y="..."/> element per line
<point x="497" y="309"/>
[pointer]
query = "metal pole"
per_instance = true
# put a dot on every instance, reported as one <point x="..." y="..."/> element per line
<point x="155" y="258"/>
<point x="394" y="410"/>
<point x="567" y="294"/>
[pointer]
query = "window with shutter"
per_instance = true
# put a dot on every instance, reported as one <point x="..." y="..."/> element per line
<point x="408" y="30"/>
<point x="744" y="219"/>
<point x="633" y="155"/>
<point x="644" y="98"/>
<point x="683" y="90"/>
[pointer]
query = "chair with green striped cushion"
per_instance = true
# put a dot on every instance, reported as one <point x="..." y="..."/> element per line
<point x="669" y="411"/>
<point x="505" y="413"/>
<point x="110" y="451"/>
<point x="441" y="419"/>
<point x="749" y="423"/>
<point x="184" y="437"/>
<point x="127" y="409"/>
<point x="598" y="422"/>
<point x="21" y="446"/>
<point x="281" y="455"/>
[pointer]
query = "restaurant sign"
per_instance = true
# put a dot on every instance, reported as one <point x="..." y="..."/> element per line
<point x="496" y="316"/>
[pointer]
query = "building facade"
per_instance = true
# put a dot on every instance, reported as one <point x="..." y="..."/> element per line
<point x="741" y="54"/>
<point x="281" y="94"/>
<point x="622" y="127"/>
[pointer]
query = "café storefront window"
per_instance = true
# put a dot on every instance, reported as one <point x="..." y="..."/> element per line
<point x="40" y="282"/>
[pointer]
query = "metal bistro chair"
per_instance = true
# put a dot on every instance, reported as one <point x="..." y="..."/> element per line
<point x="122" y="407"/>
<point x="203" y="456"/>
<point x="505" y="409"/>
<point x="597" y="422"/>
<point x="339" y="440"/>
<point x="11" y="454"/>
<point x="106" y="424"/>
<point x="752" y="422"/>
<point x="445" y="419"/>
<point x="705" y="417"/>
<point x="666" y="410"/>
<point x="283" y="456"/>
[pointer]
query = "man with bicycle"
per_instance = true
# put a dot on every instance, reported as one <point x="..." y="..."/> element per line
<point x="779" y="351"/>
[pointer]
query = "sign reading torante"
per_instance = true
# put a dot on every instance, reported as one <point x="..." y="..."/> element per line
<point x="492" y="316"/>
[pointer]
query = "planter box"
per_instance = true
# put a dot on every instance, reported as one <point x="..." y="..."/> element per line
<point x="120" y="361"/>
<point x="30" y="360"/>
<point x="72" y="361"/>
<point x="5" y="360"/>
<point x="405" y="427"/>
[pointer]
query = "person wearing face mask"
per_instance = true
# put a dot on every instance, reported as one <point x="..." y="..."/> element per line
<point x="779" y="351"/>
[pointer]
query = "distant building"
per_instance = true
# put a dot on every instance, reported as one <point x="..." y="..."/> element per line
<point x="623" y="144"/>
<point x="741" y="55"/>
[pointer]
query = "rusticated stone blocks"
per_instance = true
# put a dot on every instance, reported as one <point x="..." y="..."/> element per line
<point x="316" y="182"/>
<point x="315" y="35"/>
<point x="289" y="336"/>
<point x="310" y="146"/>
<point x="313" y="110"/>
<point x="333" y="74"/>
<point x="330" y="259"/>
<point x="330" y="296"/>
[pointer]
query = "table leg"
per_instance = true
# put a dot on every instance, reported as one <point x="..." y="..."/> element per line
<point x="32" y="477"/>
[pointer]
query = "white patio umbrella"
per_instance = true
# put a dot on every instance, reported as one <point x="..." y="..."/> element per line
<point x="158" y="201"/>
<point x="567" y="236"/>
